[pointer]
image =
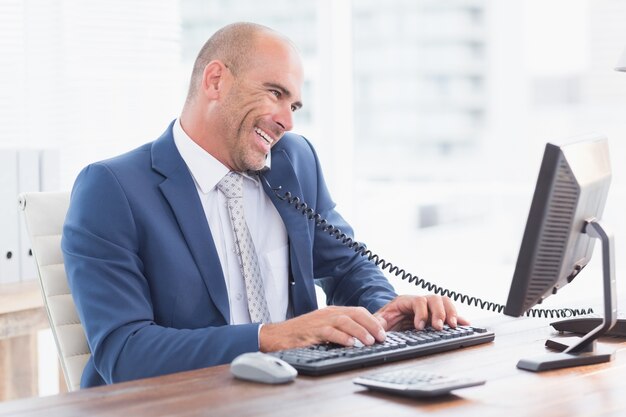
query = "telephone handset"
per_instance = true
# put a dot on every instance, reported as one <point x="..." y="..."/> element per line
<point x="346" y="240"/>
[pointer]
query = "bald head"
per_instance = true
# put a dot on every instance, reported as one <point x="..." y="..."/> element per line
<point x="246" y="84"/>
<point x="234" y="45"/>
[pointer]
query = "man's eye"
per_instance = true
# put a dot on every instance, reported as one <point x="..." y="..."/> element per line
<point x="275" y="93"/>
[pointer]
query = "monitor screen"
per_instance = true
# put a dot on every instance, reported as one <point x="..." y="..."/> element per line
<point x="571" y="190"/>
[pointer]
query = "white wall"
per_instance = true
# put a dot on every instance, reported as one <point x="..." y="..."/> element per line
<point x="91" y="78"/>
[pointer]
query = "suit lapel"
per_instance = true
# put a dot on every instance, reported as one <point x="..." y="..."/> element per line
<point x="300" y="247"/>
<point x="180" y="192"/>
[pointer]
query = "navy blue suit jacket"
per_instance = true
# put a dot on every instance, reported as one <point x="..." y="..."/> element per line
<point x="146" y="277"/>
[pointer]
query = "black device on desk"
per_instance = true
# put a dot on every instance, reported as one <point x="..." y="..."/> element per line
<point x="585" y="324"/>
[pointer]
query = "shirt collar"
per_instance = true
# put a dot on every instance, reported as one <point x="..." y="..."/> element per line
<point x="205" y="169"/>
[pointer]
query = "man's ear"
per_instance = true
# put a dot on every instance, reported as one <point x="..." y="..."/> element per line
<point x="213" y="79"/>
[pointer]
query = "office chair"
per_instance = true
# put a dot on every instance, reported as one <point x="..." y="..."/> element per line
<point x="45" y="213"/>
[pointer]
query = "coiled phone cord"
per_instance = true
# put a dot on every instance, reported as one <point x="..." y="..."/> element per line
<point x="359" y="248"/>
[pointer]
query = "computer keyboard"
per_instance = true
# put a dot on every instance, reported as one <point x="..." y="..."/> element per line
<point x="329" y="358"/>
<point x="415" y="383"/>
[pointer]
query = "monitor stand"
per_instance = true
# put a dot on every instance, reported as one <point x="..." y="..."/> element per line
<point x="577" y="351"/>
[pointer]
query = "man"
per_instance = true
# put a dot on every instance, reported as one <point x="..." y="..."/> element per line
<point x="162" y="281"/>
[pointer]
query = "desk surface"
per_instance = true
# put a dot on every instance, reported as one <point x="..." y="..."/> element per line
<point x="598" y="390"/>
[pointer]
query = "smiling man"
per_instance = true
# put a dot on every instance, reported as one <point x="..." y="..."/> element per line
<point x="179" y="255"/>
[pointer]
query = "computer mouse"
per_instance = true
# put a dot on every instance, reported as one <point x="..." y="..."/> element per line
<point x="261" y="367"/>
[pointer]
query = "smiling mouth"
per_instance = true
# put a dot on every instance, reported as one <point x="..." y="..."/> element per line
<point x="267" y="138"/>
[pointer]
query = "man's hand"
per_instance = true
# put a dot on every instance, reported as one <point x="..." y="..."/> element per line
<point x="412" y="311"/>
<point x="339" y="325"/>
<point x="342" y="325"/>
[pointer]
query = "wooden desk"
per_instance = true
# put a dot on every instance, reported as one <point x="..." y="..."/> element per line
<point x="21" y="316"/>
<point x="598" y="390"/>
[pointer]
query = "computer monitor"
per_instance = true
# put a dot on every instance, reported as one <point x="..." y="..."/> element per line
<point x="558" y="242"/>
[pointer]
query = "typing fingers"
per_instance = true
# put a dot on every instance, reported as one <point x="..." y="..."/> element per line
<point x="345" y="325"/>
<point x="364" y="326"/>
<point x="442" y="311"/>
<point x="420" y="312"/>
<point x="437" y="311"/>
<point x="453" y="317"/>
<point x="346" y="331"/>
<point x="341" y="325"/>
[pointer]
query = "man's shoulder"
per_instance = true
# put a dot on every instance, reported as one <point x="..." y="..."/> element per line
<point x="135" y="167"/>
<point x="142" y="154"/>
<point x="122" y="170"/>
<point x="131" y="157"/>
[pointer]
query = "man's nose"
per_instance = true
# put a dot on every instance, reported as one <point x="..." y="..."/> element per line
<point x="284" y="117"/>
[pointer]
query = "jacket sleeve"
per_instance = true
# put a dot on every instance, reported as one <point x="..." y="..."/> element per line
<point x="101" y="249"/>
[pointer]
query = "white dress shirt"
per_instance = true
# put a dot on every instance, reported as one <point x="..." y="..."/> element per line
<point x="266" y="227"/>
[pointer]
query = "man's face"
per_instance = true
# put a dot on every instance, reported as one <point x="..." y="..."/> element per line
<point x="258" y="108"/>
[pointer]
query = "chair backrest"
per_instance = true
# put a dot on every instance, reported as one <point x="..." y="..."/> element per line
<point x="45" y="213"/>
